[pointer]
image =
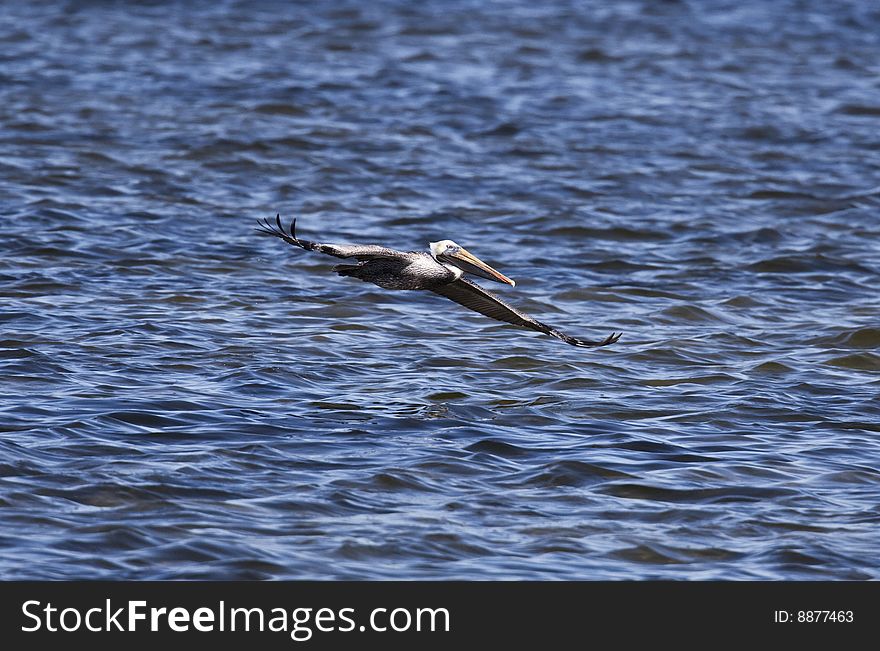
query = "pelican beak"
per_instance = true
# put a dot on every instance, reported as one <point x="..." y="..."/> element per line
<point x="471" y="264"/>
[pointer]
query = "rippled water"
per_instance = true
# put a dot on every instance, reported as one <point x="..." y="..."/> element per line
<point x="182" y="398"/>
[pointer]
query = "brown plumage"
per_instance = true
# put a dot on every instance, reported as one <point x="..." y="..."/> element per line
<point x="439" y="271"/>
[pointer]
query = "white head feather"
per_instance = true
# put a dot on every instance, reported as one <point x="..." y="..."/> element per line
<point x="439" y="247"/>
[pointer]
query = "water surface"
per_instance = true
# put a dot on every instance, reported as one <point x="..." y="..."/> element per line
<point x="182" y="398"/>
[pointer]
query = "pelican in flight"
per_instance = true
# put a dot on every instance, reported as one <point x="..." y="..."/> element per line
<point x="441" y="271"/>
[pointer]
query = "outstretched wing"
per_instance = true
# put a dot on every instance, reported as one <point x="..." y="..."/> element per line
<point x="474" y="297"/>
<point x="358" y="251"/>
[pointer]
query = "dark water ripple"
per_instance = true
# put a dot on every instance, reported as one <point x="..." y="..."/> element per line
<point x="180" y="398"/>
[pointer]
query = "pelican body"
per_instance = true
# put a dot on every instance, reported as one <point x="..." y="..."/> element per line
<point x="441" y="270"/>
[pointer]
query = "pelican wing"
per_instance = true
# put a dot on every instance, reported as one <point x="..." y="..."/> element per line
<point x="358" y="251"/>
<point x="474" y="297"/>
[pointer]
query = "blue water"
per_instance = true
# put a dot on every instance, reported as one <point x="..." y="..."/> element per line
<point x="183" y="398"/>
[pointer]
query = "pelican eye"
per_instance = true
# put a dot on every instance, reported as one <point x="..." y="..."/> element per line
<point x="453" y="249"/>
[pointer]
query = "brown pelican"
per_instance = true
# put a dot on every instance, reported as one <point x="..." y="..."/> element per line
<point x="440" y="271"/>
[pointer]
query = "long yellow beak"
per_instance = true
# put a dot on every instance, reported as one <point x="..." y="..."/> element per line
<point x="468" y="262"/>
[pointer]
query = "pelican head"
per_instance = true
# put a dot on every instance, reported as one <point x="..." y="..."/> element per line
<point x="450" y="253"/>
